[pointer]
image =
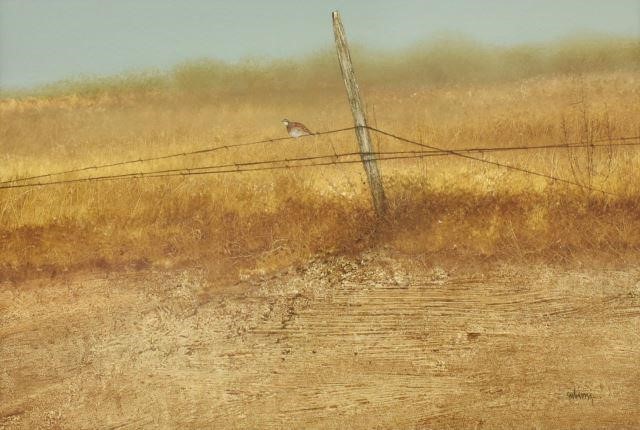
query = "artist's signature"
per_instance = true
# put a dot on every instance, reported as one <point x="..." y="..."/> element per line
<point x="580" y="395"/>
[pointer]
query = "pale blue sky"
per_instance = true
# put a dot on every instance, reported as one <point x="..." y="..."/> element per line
<point x="47" y="40"/>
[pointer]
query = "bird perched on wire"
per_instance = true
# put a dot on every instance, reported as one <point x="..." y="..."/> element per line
<point x="296" y="129"/>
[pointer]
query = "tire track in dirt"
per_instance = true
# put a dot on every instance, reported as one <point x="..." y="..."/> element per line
<point x="367" y="342"/>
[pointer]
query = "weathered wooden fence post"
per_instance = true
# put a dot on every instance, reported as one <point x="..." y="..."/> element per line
<point x="369" y="160"/>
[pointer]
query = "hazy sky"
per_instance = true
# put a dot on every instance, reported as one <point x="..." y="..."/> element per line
<point x="48" y="40"/>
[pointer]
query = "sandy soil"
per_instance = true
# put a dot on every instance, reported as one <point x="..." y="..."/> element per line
<point x="368" y="342"/>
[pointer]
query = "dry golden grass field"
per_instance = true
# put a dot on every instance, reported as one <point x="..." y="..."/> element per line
<point x="487" y="299"/>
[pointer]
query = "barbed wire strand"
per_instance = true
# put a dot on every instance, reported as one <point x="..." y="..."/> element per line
<point x="627" y="142"/>
<point x="495" y="163"/>
<point x="185" y="171"/>
<point x="596" y="143"/>
<point x="237" y="168"/>
<point x="164" y="157"/>
<point x="255" y="166"/>
<point x="433" y="151"/>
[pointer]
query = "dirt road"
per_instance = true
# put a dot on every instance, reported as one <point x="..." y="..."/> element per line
<point x="367" y="342"/>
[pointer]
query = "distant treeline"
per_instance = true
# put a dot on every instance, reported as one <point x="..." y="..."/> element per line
<point x="440" y="61"/>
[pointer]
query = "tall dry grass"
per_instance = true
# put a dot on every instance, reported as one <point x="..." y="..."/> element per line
<point x="441" y="207"/>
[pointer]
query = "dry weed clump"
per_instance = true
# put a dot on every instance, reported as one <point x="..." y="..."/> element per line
<point x="441" y="207"/>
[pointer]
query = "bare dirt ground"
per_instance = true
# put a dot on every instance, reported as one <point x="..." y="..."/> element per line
<point x="373" y="341"/>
